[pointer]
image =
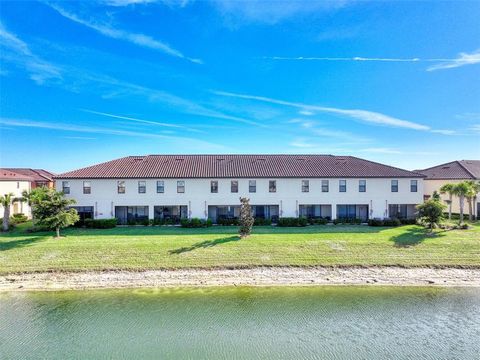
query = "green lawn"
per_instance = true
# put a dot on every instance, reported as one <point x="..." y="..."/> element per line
<point x="141" y="248"/>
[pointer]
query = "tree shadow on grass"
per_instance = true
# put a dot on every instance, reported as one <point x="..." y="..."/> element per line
<point x="415" y="236"/>
<point x="8" y="245"/>
<point x="204" y="244"/>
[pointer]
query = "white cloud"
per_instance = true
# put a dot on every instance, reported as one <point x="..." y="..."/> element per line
<point x="134" y="38"/>
<point x="356" y="58"/>
<point x="363" y="115"/>
<point x="462" y="60"/>
<point x="16" y="51"/>
<point x="306" y="112"/>
<point x="475" y="128"/>
<point x="445" y="132"/>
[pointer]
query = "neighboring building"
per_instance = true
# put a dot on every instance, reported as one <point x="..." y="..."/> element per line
<point x="15" y="183"/>
<point x="452" y="172"/>
<point x="40" y="177"/>
<point x="209" y="186"/>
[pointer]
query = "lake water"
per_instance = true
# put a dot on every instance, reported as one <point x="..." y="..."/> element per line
<point x="243" y="323"/>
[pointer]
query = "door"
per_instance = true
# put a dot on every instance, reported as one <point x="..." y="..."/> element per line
<point x="363" y="212"/>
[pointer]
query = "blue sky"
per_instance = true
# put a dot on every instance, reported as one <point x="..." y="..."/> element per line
<point x="86" y="82"/>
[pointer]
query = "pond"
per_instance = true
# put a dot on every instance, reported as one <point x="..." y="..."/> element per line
<point x="243" y="323"/>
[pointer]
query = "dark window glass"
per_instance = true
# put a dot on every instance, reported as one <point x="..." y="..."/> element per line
<point x="346" y="211"/>
<point x="214" y="186"/>
<point x="413" y="185"/>
<point x="234" y="186"/>
<point x="394" y="185"/>
<point x="324" y="185"/>
<point x="342" y="186"/>
<point x="398" y="211"/>
<point x="121" y="187"/>
<point x="142" y="187"/>
<point x="160" y="187"/>
<point x="252" y="186"/>
<point x="66" y="187"/>
<point x="272" y="186"/>
<point x="362" y="185"/>
<point x="87" y="188"/>
<point x="305" y="186"/>
<point x="180" y="187"/>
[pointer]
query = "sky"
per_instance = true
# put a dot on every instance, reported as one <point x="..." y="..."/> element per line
<point x="395" y="82"/>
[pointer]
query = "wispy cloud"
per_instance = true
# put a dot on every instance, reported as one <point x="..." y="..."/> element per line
<point x="362" y="115"/>
<point x="101" y="130"/>
<point x="17" y="52"/>
<point x="475" y="128"/>
<point x="78" y="138"/>
<point x="462" y="60"/>
<point x="121" y="3"/>
<point x="134" y="38"/>
<point x="149" y="122"/>
<point x="313" y="129"/>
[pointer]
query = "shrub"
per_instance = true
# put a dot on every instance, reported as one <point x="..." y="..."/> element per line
<point x="292" y="222"/>
<point x="392" y="222"/>
<point x="262" y="222"/>
<point x="131" y="222"/>
<point x="375" y="222"/>
<point x="100" y="223"/>
<point x="408" y="221"/>
<point x="227" y="222"/>
<point x="18" y="218"/>
<point x="318" y="221"/>
<point x="195" y="223"/>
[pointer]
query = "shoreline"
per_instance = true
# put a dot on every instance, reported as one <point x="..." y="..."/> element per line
<point x="258" y="276"/>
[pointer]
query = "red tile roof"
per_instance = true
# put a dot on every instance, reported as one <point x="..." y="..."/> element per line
<point x="236" y="166"/>
<point x="7" y="175"/>
<point x="35" y="174"/>
<point x="455" y="170"/>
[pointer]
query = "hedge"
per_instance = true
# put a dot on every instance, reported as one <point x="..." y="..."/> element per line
<point x="100" y="223"/>
<point x="195" y="223"/>
<point x="292" y="222"/>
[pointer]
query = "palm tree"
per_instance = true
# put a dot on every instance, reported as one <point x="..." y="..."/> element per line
<point x="6" y="201"/>
<point x="461" y="190"/>
<point x="448" y="189"/>
<point x="473" y="190"/>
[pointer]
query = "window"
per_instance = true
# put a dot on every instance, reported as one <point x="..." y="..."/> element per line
<point x="142" y="187"/>
<point x="214" y="186"/>
<point x="252" y="186"/>
<point x="324" y="185"/>
<point x="87" y="187"/>
<point x="305" y="186"/>
<point x="362" y="185"/>
<point x="394" y="185"/>
<point x="272" y="186"/>
<point x="342" y="186"/>
<point x="346" y="211"/>
<point x="160" y="187"/>
<point x="398" y="211"/>
<point x="66" y="187"/>
<point x="234" y="186"/>
<point x="121" y="187"/>
<point x="413" y="185"/>
<point x="180" y="186"/>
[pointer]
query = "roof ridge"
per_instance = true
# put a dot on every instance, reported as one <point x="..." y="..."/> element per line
<point x="465" y="168"/>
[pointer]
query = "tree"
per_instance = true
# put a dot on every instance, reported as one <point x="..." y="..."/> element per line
<point x="436" y="196"/>
<point x="33" y="197"/>
<point x="470" y="196"/>
<point x="431" y="213"/>
<point x="6" y="201"/>
<point x="461" y="190"/>
<point x="246" y="218"/>
<point x="51" y="209"/>
<point x="448" y="189"/>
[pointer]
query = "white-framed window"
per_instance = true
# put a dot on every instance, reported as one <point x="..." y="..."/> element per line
<point x="362" y="185"/>
<point x="394" y="186"/>
<point x="325" y="185"/>
<point x="305" y="186"/>
<point x="160" y="187"/>
<point x="234" y="186"/>
<point x="87" y="187"/>
<point x="342" y="186"/>
<point x="413" y="185"/>
<point x="214" y="186"/>
<point x="252" y="186"/>
<point x="66" y="187"/>
<point x="180" y="186"/>
<point x="142" y="187"/>
<point x="121" y="187"/>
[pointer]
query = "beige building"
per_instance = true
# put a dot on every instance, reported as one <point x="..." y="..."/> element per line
<point x="452" y="172"/>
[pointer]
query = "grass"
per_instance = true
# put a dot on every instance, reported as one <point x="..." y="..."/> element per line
<point x="143" y="248"/>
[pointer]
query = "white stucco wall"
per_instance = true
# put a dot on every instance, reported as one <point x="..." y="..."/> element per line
<point x="15" y="187"/>
<point x="197" y="196"/>
<point x="435" y="185"/>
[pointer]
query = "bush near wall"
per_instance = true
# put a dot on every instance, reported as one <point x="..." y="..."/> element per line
<point x="227" y="222"/>
<point x="100" y="223"/>
<point x="262" y="222"/>
<point x="390" y="222"/>
<point x="18" y="218"/>
<point x="292" y="222"/>
<point x="345" y="221"/>
<point x="318" y="221"/>
<point x="195" y="223"/>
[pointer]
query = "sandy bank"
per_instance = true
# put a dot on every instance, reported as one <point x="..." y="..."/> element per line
<point x="276" y="276"/>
